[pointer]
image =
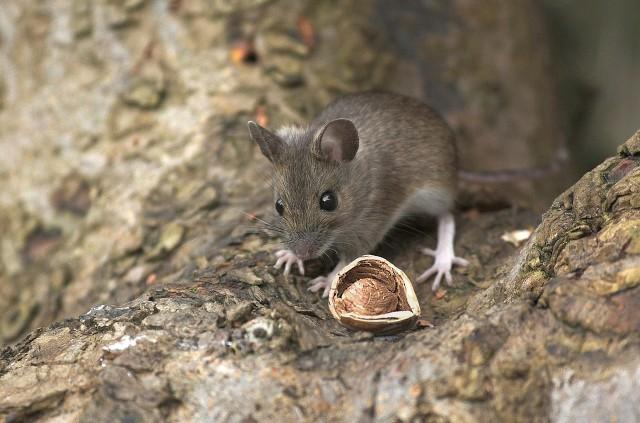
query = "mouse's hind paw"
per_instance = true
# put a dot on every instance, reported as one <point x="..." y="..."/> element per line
<point x="444" y="261"/>
<point x="288" y="258"/>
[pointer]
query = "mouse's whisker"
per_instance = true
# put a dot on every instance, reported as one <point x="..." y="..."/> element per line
<point x="269" y="226"/>
<point x="263" y="229"/>
<point x="264" y="222"/>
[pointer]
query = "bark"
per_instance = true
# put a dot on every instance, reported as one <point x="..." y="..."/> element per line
<point x="554" y="337"/>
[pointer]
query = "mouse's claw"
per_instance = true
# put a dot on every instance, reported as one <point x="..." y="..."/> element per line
<point x="444" y="261"/>
<point x="288" y="258"/>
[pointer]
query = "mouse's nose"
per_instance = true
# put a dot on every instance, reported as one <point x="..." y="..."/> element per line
<point x="304" y="249"/>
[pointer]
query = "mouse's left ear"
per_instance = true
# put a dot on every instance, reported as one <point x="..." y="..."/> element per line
<point x="337" y="141"/>
<point x="270" y="144"/>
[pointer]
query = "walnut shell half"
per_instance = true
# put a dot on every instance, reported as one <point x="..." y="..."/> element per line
<point x="372" y="294"/>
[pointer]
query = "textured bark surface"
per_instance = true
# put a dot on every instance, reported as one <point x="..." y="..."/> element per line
<point x="554" y="336"/>
<point x="129" y="186"/>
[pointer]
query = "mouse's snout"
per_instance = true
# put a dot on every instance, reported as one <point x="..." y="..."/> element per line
<point x="305" y="248"/>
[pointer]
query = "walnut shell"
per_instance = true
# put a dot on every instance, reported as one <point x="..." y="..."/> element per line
<point x="372" y="294"/>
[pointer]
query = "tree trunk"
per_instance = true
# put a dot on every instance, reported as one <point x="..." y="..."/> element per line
<point x="554" y="337"/>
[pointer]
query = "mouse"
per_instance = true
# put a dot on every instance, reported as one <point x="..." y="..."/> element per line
<point x="365" y="162"/>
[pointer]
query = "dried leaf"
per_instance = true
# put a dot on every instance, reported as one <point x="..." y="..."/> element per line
<point x="415" y="390"/>
<point x="307" y="32"/>
<point x="516" y="237"/>
<point x="242" y="52"/>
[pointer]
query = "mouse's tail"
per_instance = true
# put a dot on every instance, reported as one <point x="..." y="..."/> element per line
<point x="561" y="158"/>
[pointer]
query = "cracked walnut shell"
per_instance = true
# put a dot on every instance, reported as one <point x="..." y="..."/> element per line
<point x="372" y="294"/>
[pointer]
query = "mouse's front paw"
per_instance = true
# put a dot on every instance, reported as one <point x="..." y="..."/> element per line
<point x="288" y="258"/>
<point x="444" y="261"/>
<point x="324" y="282"/>
<point x="321" y="282"/>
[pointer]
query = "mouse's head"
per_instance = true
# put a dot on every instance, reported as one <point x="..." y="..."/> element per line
<point x="311" y="179"/>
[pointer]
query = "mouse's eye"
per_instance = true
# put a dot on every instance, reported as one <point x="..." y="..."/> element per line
<point x="328" y="201"/>
<point x="280" y="206"/>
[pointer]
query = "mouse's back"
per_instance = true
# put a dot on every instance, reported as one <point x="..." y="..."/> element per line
<point x="399" y="131"/>
<point x="406" y="143"/>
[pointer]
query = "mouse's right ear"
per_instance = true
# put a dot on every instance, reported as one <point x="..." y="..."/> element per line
<point x="337" y="141"/>
<point x="269" y="144"/>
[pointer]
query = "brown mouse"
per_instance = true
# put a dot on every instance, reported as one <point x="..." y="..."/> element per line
<point x="366" y="161"/>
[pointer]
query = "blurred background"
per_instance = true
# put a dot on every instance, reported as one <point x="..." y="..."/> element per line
<point x="124" y="157"/>
<point x="596" y="51"/>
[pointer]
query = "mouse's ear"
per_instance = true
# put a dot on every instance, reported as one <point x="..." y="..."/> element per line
<point x="337" y="141"/>
<point x="269" y="143"/>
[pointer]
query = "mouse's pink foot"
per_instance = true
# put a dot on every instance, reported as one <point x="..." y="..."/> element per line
<point x="288" y="258"/>
<point x="443" y="254"/>
<point x="444" y="261"/>
<point x="324" y="282"/>
<point x="321" y="282"/>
